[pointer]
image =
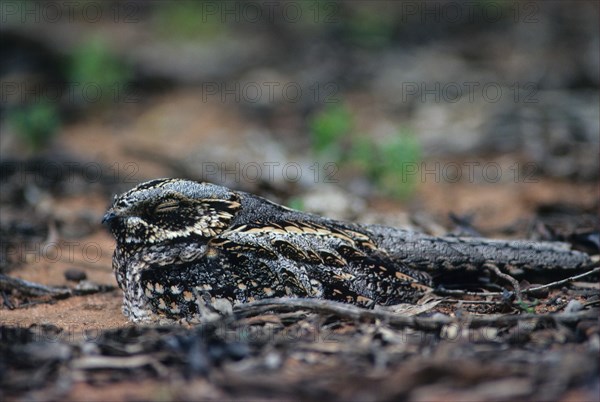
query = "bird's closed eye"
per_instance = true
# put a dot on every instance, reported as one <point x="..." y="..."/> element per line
<point x="167" y="206"/>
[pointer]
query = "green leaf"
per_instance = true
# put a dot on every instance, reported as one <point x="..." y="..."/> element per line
<point x="329" y="127"/>
<point x="36" y="124"/>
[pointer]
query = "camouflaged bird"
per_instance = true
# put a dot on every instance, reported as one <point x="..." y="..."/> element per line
<point x="187" y="249"/>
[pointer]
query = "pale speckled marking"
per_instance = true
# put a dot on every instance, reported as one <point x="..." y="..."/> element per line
<point x="174" y="308"/>
<point x="340" y="260"/>
<point x="204" y="225"/>
<point x="405" y="277"/>
<point x="212" y="252"/>
<point x="306" y="228"/>
<point x="223" y="305"/>
<point x="420" y="286"/>
<point x="364" y="239"/>
<point x="344" y="276"/>
<point x="293" y="229"/>
<point x="316" y="288"/>
<point x="265" y="229"/>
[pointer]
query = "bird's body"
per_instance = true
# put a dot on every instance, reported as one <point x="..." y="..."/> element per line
<point x="187" y="249"/>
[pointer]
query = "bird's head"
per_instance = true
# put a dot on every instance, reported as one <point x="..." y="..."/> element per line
<point x="169" y="210"/>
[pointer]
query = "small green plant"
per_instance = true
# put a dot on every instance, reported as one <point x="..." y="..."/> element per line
<point x="399" y="154"/>
<point x="329" y="127"/>
<point x="528" y="307"/>
<point x="387" y="162"/>
<point x="96" y="74"/>
<point x="36" y="123"/>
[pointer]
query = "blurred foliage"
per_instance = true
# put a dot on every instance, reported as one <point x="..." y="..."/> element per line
<point x="96" y="78"/>
<point x="96" y="72"/>
<point x="528" y="307"/>
<point x="369" y="27"/>
<point x="36" y="123"/>
<point x="386" y="162"/>
<point x="185" y="20"/>
<point x="296" y="203"/>
<point x="328" y="128"/>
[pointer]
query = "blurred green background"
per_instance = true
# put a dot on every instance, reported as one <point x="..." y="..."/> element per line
<point x="288" y="97"/>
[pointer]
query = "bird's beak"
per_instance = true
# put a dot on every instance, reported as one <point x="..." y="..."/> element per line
<point x="109" y="217"/>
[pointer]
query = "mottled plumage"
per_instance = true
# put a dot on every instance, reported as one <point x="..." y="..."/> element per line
<point x="187" y="249"/>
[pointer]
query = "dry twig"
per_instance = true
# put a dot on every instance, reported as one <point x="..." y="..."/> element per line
<point x="423" y="323"/>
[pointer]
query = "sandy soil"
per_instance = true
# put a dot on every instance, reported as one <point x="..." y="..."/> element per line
<point x="84" y="318"/>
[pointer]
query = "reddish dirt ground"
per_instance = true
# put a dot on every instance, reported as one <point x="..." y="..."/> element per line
<point x="81" y="317"/>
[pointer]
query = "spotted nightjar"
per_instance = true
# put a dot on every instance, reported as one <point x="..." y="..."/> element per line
<point x="187" y="249"/>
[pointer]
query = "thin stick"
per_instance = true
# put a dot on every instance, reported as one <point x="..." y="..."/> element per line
<point x="451" y="292"/>
<point x="506" y="277"/>
<point x="473" y="301"/>
<point x="563" y="281"/>
<point x="426" y="323"/>
<point x="9" y="283"/>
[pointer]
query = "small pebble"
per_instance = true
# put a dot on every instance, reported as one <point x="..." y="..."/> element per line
<point x="573" y="306"/>
<point x="75" y="275"/>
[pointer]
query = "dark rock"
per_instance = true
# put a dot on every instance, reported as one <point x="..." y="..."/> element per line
<point x="75" y="275"/>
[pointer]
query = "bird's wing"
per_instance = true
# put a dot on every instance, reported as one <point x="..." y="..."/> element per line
<point x="320" y="260"/>
<point x="301" y="241"/>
